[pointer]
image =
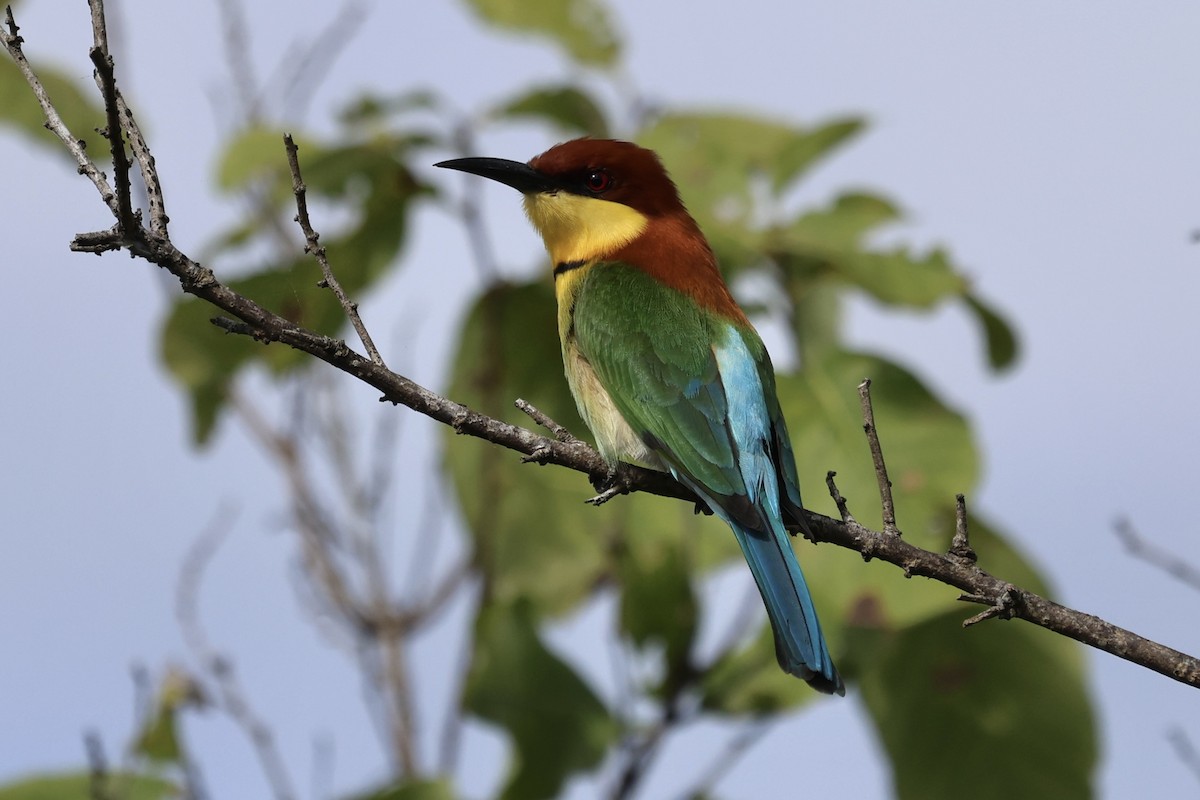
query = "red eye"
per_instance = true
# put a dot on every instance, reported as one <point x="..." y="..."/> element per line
<point x="598" y="181"/>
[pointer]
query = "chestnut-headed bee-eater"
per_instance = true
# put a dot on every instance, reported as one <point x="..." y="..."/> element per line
<point x="665" y="367"/>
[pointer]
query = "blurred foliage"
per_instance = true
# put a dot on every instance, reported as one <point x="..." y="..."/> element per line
<point x="582" y="28"/>
<point x="159" y="740"/>
<point x="557" y="724"/>
<point x="368" y="176"/>
<point x="82" y="785"/>
<point x="411" y="790"/>
<point x="78" y="107"/>
<point x="997" y="710"/>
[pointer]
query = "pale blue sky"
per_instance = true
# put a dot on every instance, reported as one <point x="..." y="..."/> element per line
<point x="1052" y="149"/>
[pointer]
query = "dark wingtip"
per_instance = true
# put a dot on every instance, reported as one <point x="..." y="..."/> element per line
<point x="827" y="685"/>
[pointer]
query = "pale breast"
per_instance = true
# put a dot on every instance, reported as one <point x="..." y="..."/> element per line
<point x="615" y="439"/>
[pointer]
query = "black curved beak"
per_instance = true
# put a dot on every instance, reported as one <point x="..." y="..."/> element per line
<point x="522" y="177"/>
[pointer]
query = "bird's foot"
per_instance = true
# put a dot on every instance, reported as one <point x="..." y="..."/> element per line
<point x="613" y="483"/>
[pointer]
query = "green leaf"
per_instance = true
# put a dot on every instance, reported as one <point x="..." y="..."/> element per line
<point x="557" y="724"/>
<point x="930" y="456"/>
<point x="930" y="451"/>
<point x="78" y="785"/>
<point x="902" y="278"/>
<point x="726" y="164"/>
<point x="1002" y="345"/>
<point x="377" y="188"/>
<point x="159" y="739"/>
<point x="410" y="790"/>
<point x="801" y="152"/>
<point x="567" y="107"/>
<point x="581" y="27"/>
<point x="20" y="109"/>
<point x="372" y="108"/>
<point x="839" y="226"/>
<point x="658" y="606"/>
<point x="831" y="242"/>
<point x="995" y="711"/>
<point x="255" y="154"/>
<point x="508" y="349"/>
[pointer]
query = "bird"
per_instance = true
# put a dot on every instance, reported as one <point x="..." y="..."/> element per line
<point x="665" y="367"/>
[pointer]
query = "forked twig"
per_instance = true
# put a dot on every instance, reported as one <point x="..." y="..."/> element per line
<point x="314" y="247"/>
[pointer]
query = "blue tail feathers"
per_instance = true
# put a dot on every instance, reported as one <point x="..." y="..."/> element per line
<point x="799" y="644"/>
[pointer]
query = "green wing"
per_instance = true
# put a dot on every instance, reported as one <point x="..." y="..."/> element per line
<point x="699" y="391"/>
<point x="653" y="350"/>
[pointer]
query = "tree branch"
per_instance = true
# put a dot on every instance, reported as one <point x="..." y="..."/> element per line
<point x="1160" y="557"/>
<point x="881" y="474"/>
<point x="978" y="586"/>
<point x="314" y="247"/>
<point x="232" y="697"/>
<point x="12" y="42"/>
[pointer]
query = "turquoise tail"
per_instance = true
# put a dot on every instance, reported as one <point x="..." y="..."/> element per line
<point x="799" y="644"/>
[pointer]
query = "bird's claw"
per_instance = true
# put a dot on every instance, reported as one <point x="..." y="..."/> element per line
<point x="612" y="484"/>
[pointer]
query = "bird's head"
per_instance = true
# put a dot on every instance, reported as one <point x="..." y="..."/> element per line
<point x="587" y="198"/>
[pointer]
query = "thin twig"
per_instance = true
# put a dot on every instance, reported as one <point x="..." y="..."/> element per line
<point x="310" y="518"/>
<point x="471" y="213"/>
<point x="842" y="506"/>
<point x="146" y="166"/>
<point x="97" y="767"/>
<point x="960" y="545"/>
<point x="1185" y="750"/>
<point x="314" y="247"/>
<point x="1002" y="606"/>
<point x="304" y="68"/>
<point x="235" y="37"/>
<point x="54" y="122"/>
<point x="722" y="764"/>
<point x="1165" y="560"/>
<point x="644" y="751"/>
<point x="232" y="698"/>
<point x="560" y="433"/>
<point x="885" y="484"/>
<point x="114" y="131"/>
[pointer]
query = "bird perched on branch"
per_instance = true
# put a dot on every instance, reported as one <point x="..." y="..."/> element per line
<point x="665" y="367"/>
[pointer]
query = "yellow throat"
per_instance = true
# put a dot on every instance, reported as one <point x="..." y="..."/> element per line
<point x="577" y="228"/>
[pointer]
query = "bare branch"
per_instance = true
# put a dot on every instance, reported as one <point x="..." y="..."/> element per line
<point x="1185" y="750"/>
<point x="560" y="433"/>
<point x="960" y="545"/>
<point x="235" y="38"/>
<point x="885" y="484"/>
<point x="842" y="506"/>
<point x="305" y="66"/>
<point x="114" y="131"/>
<point x="231" y="696"/>
<point x="263" y="324"/>
<point x="97" y="767"/>
<point x="1165" y="560"/>
<point x="313" y="246"/>
<point x="146" y="165"/>
<point x="471" y="213"/>
<point x="54" y="122"/>
<point x="723" y="763"/>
